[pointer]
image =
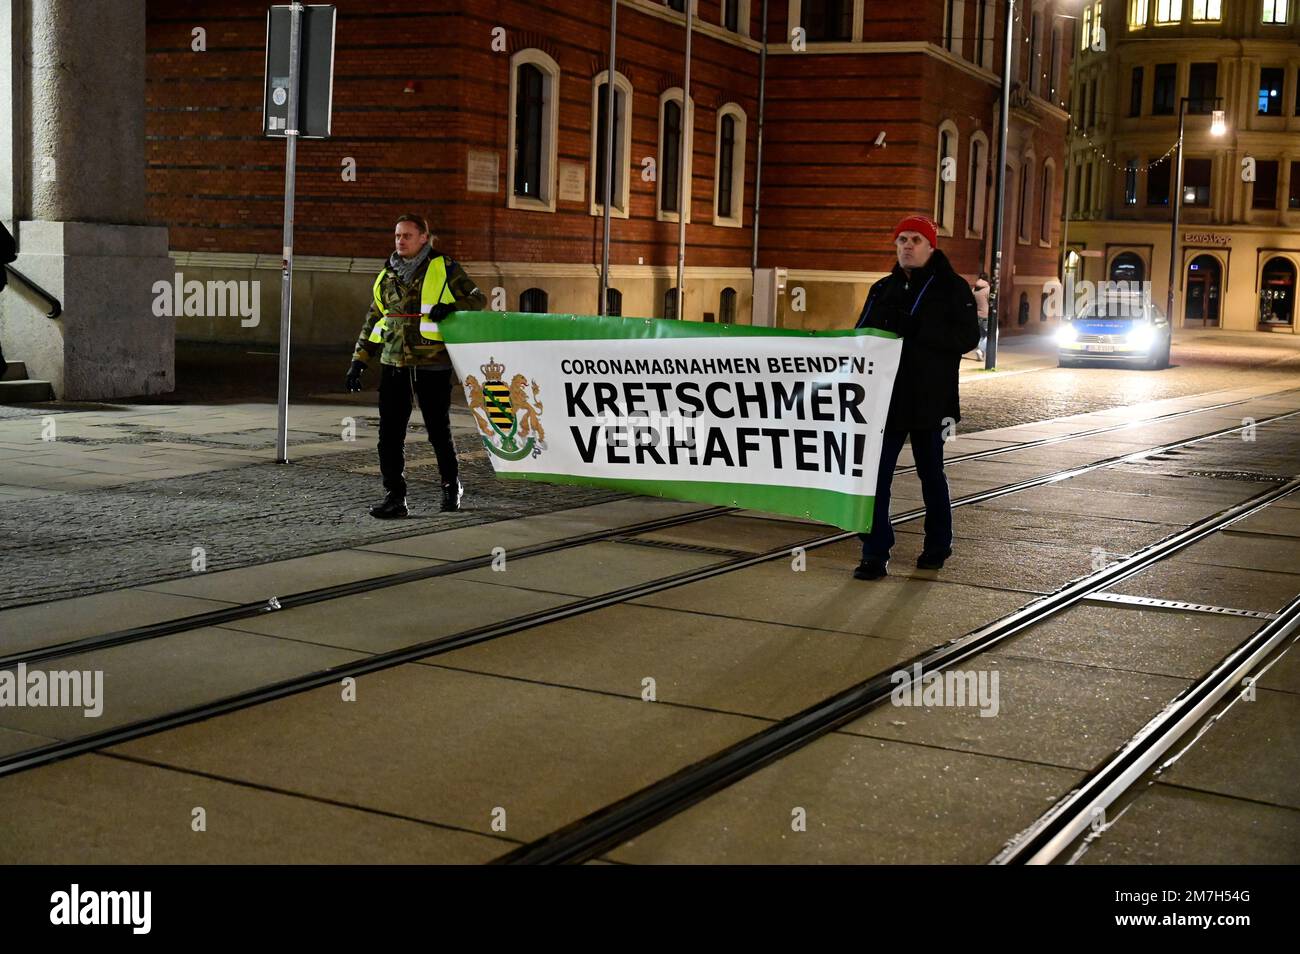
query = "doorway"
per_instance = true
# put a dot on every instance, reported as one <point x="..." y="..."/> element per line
<point x="1202" y="304"/>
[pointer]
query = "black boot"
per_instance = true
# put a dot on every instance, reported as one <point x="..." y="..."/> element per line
<point x="871" y="570"/>
<point x="451" y="494"/>
<point x="394" y="505"/>
<point x="932" y="560"/>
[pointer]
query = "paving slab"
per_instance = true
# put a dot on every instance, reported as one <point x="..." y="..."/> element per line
<point x="466" y="542"/>
<point x="1066" y="502"/>
<point x="1053" y="713"/>
<point x="1178" y="578"/>
<point x="980" y="523"/>
<point x="147" y="679"/>
<point x="1002" y="564"/>
<point x="735" y="532"/>
<point x="1161" y="642"/>
<point x="866" y="802"/>
<point x="103" y="810"/>
<point x="448" y="747"/>
<point x="261" y="582"/>
<point x="61" y="621"/>
<point x="1169" y="825"/>
<point x="12" y="741"/>
<point x="741" y="666"/>
<point x="593" y="569"/>
<point x="1282" y="521"/>
<point x="1248" y="551"/>
<point x="1252" y="752"/>
<point x="1284" y="674"/>
<point x="922" y="612"/>
<point x="403" y="615"/>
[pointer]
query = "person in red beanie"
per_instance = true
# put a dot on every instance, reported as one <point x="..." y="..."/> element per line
<point x="932" y="309"/>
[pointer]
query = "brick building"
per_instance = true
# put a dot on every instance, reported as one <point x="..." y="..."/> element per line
<point x="484" y="117"/>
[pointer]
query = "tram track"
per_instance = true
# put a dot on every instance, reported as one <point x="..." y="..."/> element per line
<point x="252" y="609"/>
<point x="30" y="758"/>
<point x="615" y="824"/>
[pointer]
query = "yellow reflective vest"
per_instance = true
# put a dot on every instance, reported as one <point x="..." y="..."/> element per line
<point x="434" y="291"/>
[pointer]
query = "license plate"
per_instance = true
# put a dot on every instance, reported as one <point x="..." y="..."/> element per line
<point x="1102" y="349"/>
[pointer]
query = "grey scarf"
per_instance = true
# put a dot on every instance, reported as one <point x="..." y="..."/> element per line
<point x="407" y="268"/>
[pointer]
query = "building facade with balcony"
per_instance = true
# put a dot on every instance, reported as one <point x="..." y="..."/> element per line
<point x="1237" y="251"/>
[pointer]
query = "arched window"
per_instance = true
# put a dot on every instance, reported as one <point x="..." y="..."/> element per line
<point x="675" y="134"/>
<point x="1045" y="204"/>
<point x="977" y="177"/>
<point x="534" y="82"/>
<point x="1024" y="214"/>
<point x="727" y="307"/>
<point x="622" y="142"/>
<point x="1277" y="292"/>
<point x="1127" y="267"/>
<point x="670" y="303"/>
<point x="729" y="167"/>
<point x="945" y="179"/>
<point x="613" y="302"/>
<point x="533" y="300"/>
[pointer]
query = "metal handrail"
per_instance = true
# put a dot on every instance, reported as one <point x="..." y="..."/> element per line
<point x="56" y="309"/>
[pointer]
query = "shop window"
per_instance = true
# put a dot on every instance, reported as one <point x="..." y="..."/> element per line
<point x="1277" y="292"/>
<point x="1127" y="267"/>
<point x="670" y="303"/>
<point x="613" y="302"/>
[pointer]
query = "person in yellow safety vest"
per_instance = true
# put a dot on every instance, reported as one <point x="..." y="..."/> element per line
<point x="417" y="288"/>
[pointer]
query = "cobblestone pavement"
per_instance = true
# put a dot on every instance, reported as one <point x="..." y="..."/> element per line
<point x="86" y="542"/>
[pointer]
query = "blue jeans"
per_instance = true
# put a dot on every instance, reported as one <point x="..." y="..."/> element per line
<point x="927" y="451"/>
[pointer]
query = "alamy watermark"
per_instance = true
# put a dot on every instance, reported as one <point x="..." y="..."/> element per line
<point x="57" y="688"/>
<point x="212" y="299"/>
<point x="949" y="688"/>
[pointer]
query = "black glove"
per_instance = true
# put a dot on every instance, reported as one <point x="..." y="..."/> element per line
<point x="440" y="312"/>
<point x="354" y="375"/>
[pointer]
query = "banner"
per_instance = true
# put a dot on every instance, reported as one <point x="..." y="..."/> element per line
<point x="768" y="419"/>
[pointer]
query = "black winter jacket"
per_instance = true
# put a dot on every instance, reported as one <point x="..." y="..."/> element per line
<point x="933" y="311"/>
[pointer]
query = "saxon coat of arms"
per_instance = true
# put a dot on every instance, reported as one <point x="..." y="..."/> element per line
<point x="508" y="415"/>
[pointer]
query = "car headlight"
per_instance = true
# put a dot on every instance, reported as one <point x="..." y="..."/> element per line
<point x="1142" y="337"/>
<point x="1067" y="334"/>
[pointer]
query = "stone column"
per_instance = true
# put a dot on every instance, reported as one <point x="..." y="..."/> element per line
<point x="73" y="144"/>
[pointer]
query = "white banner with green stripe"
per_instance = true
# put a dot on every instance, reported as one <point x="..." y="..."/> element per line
<point x="767" y="419"/>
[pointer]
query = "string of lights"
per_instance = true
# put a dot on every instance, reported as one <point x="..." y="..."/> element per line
<point x="1101" y="153"/>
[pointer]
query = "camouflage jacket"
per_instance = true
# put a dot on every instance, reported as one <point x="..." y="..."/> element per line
<point x="402" y="344"/>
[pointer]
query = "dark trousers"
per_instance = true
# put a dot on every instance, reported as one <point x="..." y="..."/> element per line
<point x="927" y="451"/>
<point x="399" y="388"/>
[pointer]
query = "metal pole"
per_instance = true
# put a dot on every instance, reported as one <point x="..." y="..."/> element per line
<point x="688" y="124"/>
<point x="995" y="293"/>
<point x="758" y="169"/>
<point x="609" y="157"/>
<point x="1177" y="199"/>
<point x="286" y="274"/>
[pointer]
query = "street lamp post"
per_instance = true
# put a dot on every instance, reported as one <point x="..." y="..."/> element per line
<point x="1216" y="129"/>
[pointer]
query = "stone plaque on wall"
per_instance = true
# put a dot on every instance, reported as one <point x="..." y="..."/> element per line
<point x="483" y="172"/>
<point x="573" y="182"/>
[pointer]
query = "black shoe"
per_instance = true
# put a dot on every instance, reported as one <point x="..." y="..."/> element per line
<point x="932" y="561"/>
<point x="394" y="506"/>
<point x="870" y="570"/>
<point x="451" y="494"/>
